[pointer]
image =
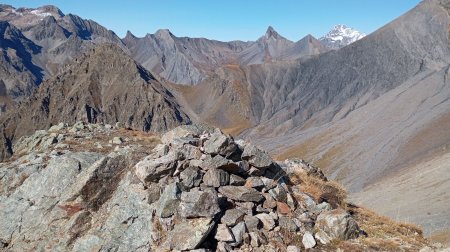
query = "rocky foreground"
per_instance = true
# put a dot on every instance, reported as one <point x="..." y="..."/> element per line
<point x="104" y="188"/>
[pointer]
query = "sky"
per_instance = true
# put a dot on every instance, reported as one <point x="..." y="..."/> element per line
<point x="231" y="19"/>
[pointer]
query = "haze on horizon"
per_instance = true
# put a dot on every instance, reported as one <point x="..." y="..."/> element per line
<point x="232" y="20"/>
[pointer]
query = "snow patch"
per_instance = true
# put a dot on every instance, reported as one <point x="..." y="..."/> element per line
<point x="40" y="13"/>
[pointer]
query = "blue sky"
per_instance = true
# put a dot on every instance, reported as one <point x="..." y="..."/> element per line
<point x="232" y="19"/>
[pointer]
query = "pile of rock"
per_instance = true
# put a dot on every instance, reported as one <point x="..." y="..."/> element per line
<point x="211" y="192"/>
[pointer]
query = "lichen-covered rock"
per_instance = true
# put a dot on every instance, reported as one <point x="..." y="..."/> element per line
<point x="220" y="144"/>
<point x="196" y="203"/>
<point x="169" y="201"/>
<point x="256" y="157"/>
<point x="189" y="234"/>
<point x="151" y="170"/>
<point x="338" y="224"/>
<point x="216" y="177"/>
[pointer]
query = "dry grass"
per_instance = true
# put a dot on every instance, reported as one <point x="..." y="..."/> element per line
<point x="384" y="233"/>
<point x="442" y="237"/>
<point x="330" y="191"/>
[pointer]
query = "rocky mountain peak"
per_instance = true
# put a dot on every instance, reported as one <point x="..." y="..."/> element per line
<point x="270" y="32"/>
<point x="164" y="33"/>
<point x="340" y="36"/>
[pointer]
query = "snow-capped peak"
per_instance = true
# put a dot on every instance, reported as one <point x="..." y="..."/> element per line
<point x="340" y="36"/>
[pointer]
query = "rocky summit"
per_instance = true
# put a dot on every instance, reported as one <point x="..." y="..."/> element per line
<point x="100" y="187"/>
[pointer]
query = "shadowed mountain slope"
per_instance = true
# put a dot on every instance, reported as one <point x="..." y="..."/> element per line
<point x="105" y="85"/>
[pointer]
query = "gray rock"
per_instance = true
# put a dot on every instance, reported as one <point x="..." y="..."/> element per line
<point x="189" y="234"/>
<point x="190" y="152"/>
<point x="232" y="217"/>
<point x="191" y="177"/>
<point x="219" y="162"/>
<point x="238" y="232"/>
<point x="117" y="140"/>
<point x="224" y="234"/>
<point x="256" y="157"/>
<point x="152" y="170"/>
<point x="337" y="224"/>
<point x="279" y="194"/>
<point x="236" y="180"/>
<point x="56" y="128"/>
<point x="322" y="237"/>
<point x="153" y="193"/>
<point x="287" y="223"/>
<point x="255" y="239"/>
<point x="292" y="248"/>
<point x="196" y="203"/>
<point x="160" y="150"/>
<point x="187" y="140"/>
<point x="169" y="201"/>
<point x="216" y="177"/>
<point x="224" y="247"/>
<point x="267" y="221"/>
<point x="178" y="132"/>
<point x="247" y="207"/>
<point x="254" y="182"/>
<point x="252" y="223"/>
<point x="307" y="201"/>
<point x="324" y="206"/>
<point x="255" y="171"/>
<point x="241" y="193"/>
<point x="220" y="144"/>
<point x="308" y="240"/>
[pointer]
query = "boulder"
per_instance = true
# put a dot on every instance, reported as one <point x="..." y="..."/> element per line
<point x="223" y="234"/>
<point x="196" y="203"/>
<point x="216" y="177"/>
<point x="256" y="157"/>
<point x="222" y="163"/>
<point x="337" y="224"/>
<point x="236" y="180"/>
<point x="308" y="240"/>
<point x="57" y="127"/>
<point x="252" y="223"/>
<point x="220" y="144"/>
<point x="190" y="152"/>
<point x="179" y="132"/>
<point x="238" y="232"/>
<point x="152" y="170"/>
<point x="191" y="177"/>
<point x="279" y="194"/>
<point x="267" y="221"/>
<point x="232" y="217"/>
<point x="254" y="182"/>
<point x="287" y="223"/>
<point x="189" y="234"/>
<point x="241" y="193"/>
<point x="169" y="201"/>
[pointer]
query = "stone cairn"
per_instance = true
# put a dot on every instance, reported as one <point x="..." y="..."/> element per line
<point x="209" y="192"/>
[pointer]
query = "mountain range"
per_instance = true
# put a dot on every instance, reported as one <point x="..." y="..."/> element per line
<point x="369" y="109"/>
